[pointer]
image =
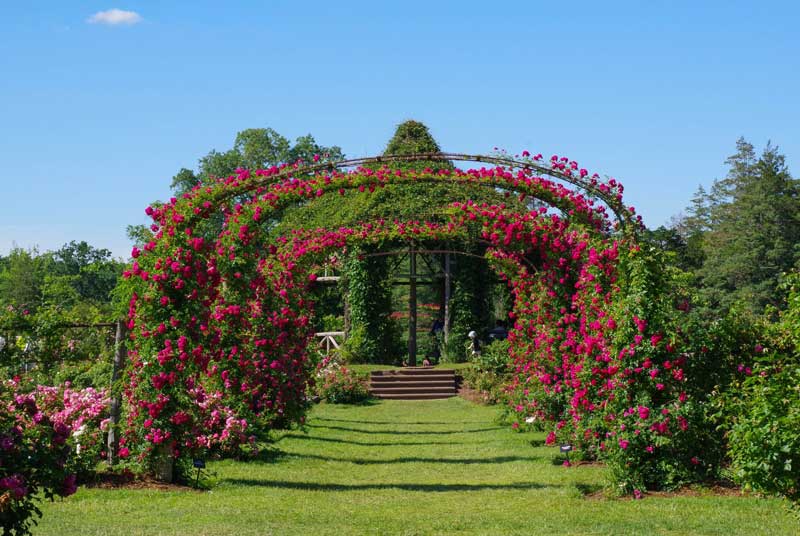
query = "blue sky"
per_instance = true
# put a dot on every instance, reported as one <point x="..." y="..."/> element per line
<point x="96" y="118"/>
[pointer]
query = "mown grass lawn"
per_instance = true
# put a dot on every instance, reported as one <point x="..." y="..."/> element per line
<point x="407" y="467"/>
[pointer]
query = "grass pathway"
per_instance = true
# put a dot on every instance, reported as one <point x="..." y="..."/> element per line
<point x="406" y="467"/>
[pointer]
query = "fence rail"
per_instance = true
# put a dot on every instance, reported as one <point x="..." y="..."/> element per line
<point x="328" y="339"/>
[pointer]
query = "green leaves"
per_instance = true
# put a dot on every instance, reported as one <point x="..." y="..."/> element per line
<point x="753" y="229"/>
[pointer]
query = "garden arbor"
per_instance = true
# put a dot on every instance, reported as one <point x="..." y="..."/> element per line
<point x="221" y="322"/>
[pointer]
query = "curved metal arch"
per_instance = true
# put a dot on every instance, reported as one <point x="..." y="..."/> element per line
<point x="621" y="212"/>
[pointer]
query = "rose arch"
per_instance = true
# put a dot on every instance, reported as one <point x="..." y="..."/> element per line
<point x="220" y="314"/>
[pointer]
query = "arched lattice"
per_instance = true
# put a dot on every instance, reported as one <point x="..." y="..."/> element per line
<point x="221" y="323"/>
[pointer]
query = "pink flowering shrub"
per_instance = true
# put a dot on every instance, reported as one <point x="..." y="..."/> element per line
<point x="34" y="459"/>
<point x="85" y="413"/>
<point x="337" y="384"/>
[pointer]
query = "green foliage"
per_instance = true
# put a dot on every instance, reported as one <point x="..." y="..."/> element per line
<point x="753" y="230"/>
<point x="455" y="350"/>
<point x="765" y="438"/>
<point x="470" y="302"/>
<point x="41" y="295"/>
<point x="332" y="323"/>
<point x="494" y="357"/>
<point x="87" y="373"/>
<point x="374" y="336"/>
<point x="41" y="339"/>
<point x="254" y="148"/>
<point x="764" y="434"/>
<point x="76" y="273"/>
<point x="412" y="137"/>
<point x="92" y="272"/>
<point x="489" y="373"/>
<point x="682" y="252"/>
<point x="22" y="276"/>
<point x="489" y="384"/>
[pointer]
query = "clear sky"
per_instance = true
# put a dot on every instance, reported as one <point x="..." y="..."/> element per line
<point x="99" y="109"/>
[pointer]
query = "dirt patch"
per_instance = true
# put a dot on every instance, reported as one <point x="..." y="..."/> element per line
<point x="477" y="397"/>
<point x="716" y="489"/>
<point x="131" y="481"/>
<point x="720" y="489"/>
<point x="590" y="463"/>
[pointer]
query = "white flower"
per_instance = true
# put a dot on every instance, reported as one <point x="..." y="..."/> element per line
<point x="530" y="420"/>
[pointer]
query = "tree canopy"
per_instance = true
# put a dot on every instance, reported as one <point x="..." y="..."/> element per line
<point x="744" y="233"/>
<point x="253" y="148"/>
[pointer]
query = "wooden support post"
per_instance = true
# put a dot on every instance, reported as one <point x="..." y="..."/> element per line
<point x="412" y="309"/>
<point x="120" y="355"/>
<point x="446" y="298"/>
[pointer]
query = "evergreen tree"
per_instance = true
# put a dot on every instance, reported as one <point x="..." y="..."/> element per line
<point x="690" y="228"/>
<point x="754" y="230"/>
<point x="413" y="137"/>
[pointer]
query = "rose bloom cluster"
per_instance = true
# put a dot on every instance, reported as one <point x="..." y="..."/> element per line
<point x="86" y="413"/>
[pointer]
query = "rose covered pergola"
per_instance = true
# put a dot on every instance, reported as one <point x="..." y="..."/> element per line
<point x="220" y="314"/>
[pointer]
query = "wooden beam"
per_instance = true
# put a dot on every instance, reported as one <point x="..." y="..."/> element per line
<point x="412" y="308"/>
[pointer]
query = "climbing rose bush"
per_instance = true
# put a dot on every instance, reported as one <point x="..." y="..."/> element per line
<point x="224" y="310"/>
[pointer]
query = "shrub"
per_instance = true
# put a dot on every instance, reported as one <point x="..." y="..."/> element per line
<point x="489" y="373"/>
<point x="83" y="411"/>
<point x="765" y="438"/>
<point x="489" y="384"/>
<point x="764" y="434"/>
<point x="493" y="358"/>
<point x="339" y="385"/>
<point x="454" y="351"/>
<point x="35" y="457"/>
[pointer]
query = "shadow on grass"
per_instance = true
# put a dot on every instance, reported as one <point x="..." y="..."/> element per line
<point x="377" y="443"/>
<point x="430" y="488"/>
<point x="589" y="489"/>
<point x="396" y="423"/>
<point x="268" y="455"/>
<point x="415" y="459"/>
<point x="395" y="432"/>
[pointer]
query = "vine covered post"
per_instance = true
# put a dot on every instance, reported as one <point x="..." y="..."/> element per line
<point x="446" y="297"/>
<point x="120" y="353"/>
<point x="412" y="308"/>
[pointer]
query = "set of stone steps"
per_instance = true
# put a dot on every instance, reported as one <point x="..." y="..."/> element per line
<point x="413" y="383"/>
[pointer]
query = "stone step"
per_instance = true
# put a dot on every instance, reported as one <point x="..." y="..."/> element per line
<point x="412" y="383"/>
<point x="398" y="378"/>
<point x="419" y="377"/>
<point x="422" y="390"/>
<point x="415" y="396"/>
<point x="411" y="371"/>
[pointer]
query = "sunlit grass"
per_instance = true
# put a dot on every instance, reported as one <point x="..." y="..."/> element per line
<point x="407" y="467"/>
